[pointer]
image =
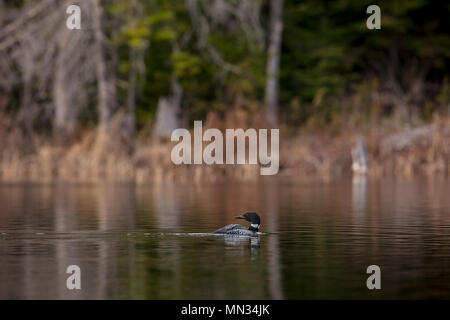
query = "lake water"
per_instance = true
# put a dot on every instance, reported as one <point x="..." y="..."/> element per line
<point x="149" y="242"/>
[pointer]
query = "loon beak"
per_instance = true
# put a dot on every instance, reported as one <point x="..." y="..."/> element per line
<point x="240" y="217"/>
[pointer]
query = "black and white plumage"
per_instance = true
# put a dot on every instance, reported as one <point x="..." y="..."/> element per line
<point x="238" y="230"/>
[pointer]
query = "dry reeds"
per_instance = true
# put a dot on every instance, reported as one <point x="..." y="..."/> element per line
<point x="423" y="150"/>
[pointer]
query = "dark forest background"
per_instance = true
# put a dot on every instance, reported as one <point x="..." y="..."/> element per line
<point x="139" y="69"/>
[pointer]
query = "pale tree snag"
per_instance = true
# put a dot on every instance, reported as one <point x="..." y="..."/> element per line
<point x="273" y="60"/>
<point x="168" y="115"/>
<point x="131" y="94"/>
<point x="27" y="107"/>
<point x="65" y="117"/>
<point x="104" y="88"/>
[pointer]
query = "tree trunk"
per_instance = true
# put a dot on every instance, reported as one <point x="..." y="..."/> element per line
<point x="65" y="115"/>
<point x="27" y="112"/>
<point x="104" y="92"/>
<point x="131" y="95"/>
<point x="273" y="60"/>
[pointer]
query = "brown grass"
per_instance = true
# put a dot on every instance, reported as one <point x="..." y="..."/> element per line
<point x="94" y="157"/>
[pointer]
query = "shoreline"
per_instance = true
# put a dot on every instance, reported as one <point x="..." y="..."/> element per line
<point x="421" y="151"/>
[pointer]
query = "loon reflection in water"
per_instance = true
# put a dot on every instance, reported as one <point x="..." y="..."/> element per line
<point x="233" y="240"/>
<point x="238" y="230"/>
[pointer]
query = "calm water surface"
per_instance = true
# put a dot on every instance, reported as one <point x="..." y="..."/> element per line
<point x="149" y="242"/>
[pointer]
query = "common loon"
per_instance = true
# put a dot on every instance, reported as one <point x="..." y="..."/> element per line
<point x="237" y="229"/>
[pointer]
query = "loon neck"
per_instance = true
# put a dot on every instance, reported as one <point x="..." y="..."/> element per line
<point x="254" y="227"/>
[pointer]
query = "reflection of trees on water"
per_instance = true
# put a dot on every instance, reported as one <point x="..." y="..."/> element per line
<point x="274" y="255"/>
<point x="25" y="285"/>
<point x="359" y="194"/>
<point x="116" y="213"/>
<point x="167" y="276"/>
<point x="80" y="235"/>
<point x="28" y="209"/>
<point x="323" y="228"/>
<point x="87" y="228"/>
<point x="254" y="243"/>
<point x="166" y="205"/>
<point x="66" y="220"/>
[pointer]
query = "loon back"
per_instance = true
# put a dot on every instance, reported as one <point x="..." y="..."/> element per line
<point x="236" y="229"/>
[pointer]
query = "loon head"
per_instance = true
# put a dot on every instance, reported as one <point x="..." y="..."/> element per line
<point x="253" y="218"/>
